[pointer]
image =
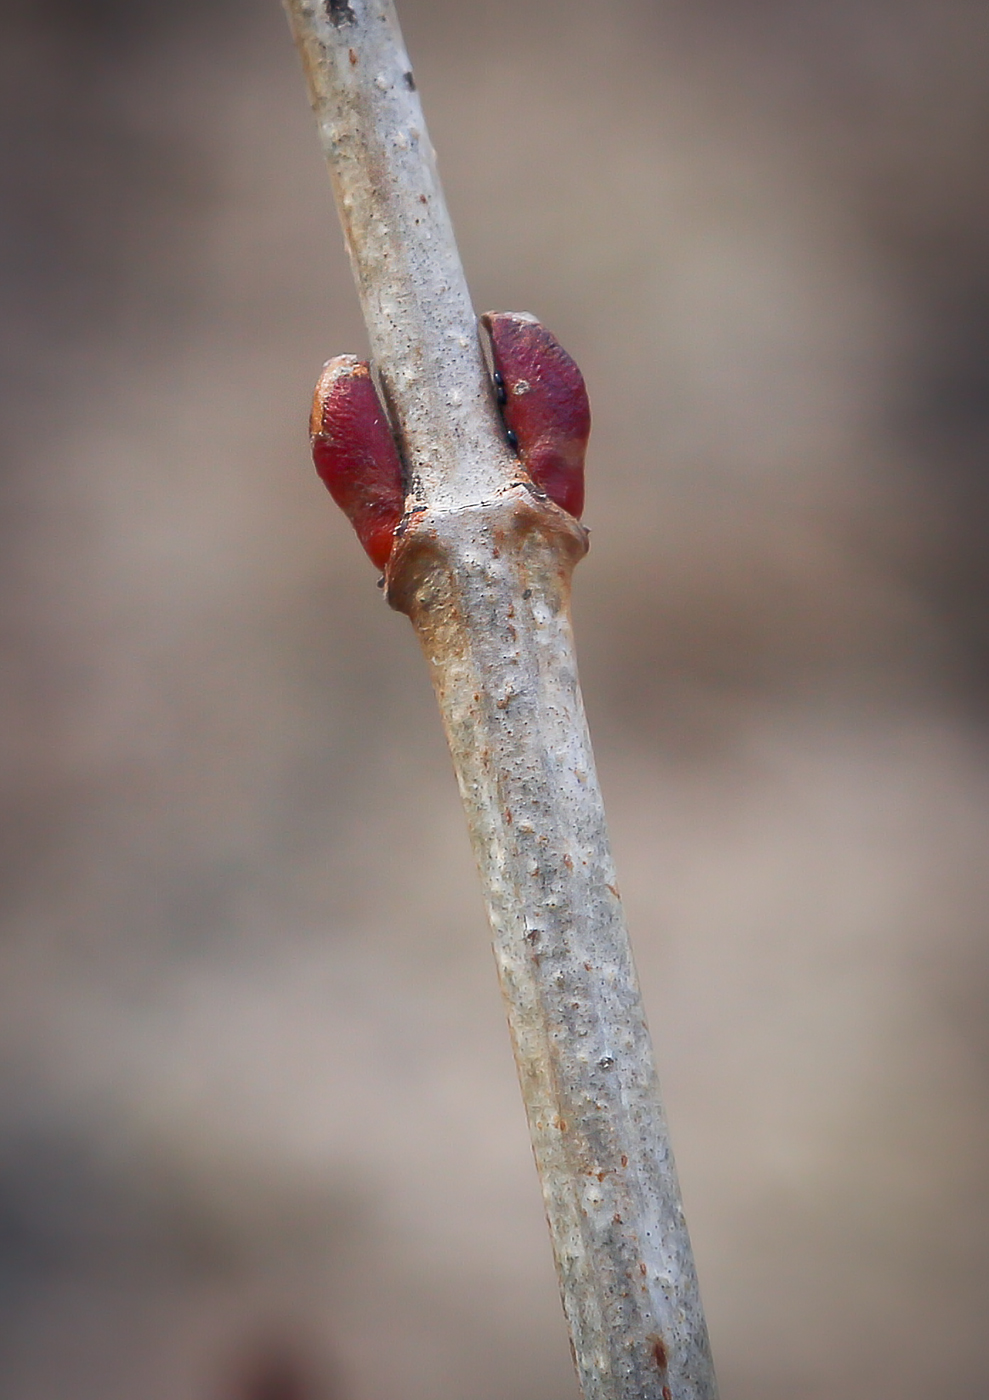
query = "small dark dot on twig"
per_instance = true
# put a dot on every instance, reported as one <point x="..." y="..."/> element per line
<point x="339" y="12"/>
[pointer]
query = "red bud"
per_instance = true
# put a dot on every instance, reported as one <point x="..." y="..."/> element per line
<point x="355" y="455"/>
<point x="545" y="405"/>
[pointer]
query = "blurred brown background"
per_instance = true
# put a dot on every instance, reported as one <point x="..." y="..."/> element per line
<point x="260" y="1137"/>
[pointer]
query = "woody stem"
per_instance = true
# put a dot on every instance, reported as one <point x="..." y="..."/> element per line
<point x="483" y="570"/>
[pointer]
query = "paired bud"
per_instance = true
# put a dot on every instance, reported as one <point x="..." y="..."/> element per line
<point x="354" y="453"/>
<point x="543" y="403"/>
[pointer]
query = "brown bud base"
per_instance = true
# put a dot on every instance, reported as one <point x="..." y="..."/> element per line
<point x="509" y="533"/>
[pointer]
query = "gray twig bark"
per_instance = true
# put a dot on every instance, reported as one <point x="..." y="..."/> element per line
<point x="483" y="567"/>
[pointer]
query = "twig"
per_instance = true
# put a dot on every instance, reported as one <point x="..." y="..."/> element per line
<point x="483" y="569"/>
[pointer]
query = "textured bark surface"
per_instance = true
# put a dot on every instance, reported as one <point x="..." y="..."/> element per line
<point x="421" y="325"/>
<point x="489" y="593"/>
<point x="482" y="566"/>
